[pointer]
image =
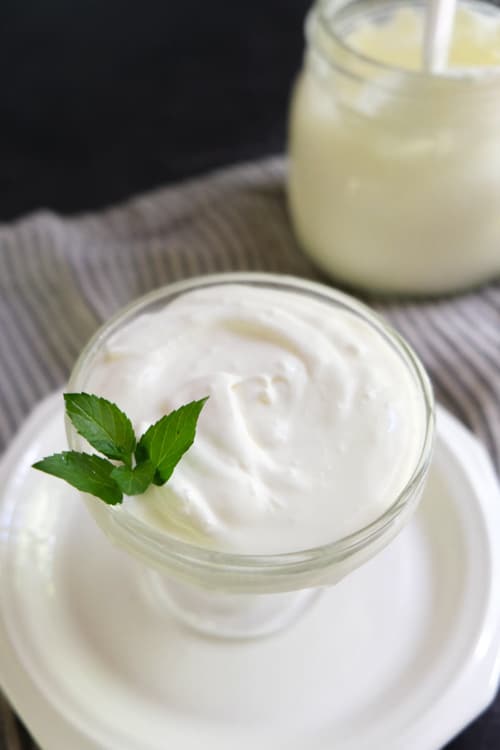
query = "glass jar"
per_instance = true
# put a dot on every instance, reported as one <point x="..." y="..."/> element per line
<point x="240" y="595"/>
<point x="394" y="181"/>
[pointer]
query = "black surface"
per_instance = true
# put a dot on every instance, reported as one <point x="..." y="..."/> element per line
<point x="101" y="99"/>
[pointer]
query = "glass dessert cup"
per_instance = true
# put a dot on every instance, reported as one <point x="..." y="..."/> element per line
<point x="233" y="595"/>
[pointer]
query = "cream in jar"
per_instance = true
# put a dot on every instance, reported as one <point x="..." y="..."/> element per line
<point x="313" y="427"/>
<point x="394" y="180"/>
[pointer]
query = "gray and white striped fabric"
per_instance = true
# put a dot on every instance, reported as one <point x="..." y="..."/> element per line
<point x="60" y="278"/>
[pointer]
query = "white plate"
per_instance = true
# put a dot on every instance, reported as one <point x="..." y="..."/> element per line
<point x="401" y="654"/>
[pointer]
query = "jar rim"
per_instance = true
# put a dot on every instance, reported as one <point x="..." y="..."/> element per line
<point x="164" y="546"/>
<point x="360" y="65"/>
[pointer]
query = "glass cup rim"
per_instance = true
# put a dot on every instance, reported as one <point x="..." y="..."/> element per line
<point x="171" y="546"/>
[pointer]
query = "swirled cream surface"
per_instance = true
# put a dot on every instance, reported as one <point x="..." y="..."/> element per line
<point x="313" y="426"/>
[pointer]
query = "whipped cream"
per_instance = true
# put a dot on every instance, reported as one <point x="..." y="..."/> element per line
<point x="313" y="426"/>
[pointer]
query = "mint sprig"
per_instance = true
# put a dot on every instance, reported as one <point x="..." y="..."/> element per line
<point x="151" y="459"/>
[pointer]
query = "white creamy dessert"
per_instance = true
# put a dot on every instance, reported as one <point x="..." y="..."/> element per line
<point x="313" y="426"/>
<point x="394" y="180"/>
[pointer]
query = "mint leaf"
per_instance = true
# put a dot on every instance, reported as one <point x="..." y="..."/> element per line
<point x="86" y="472"/>
<point x="110" y="431"/>
<point x="134" y="481"/>
<point x="102" y="424"/>
<point x="167" y="440"/>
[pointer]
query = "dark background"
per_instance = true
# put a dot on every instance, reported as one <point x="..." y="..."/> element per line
<point x="101" y="99"/>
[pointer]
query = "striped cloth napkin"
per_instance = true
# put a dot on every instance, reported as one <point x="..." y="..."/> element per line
<point x="60" y="278"/>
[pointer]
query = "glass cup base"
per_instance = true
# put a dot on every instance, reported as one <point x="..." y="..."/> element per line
<point x="218" y="614"/>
